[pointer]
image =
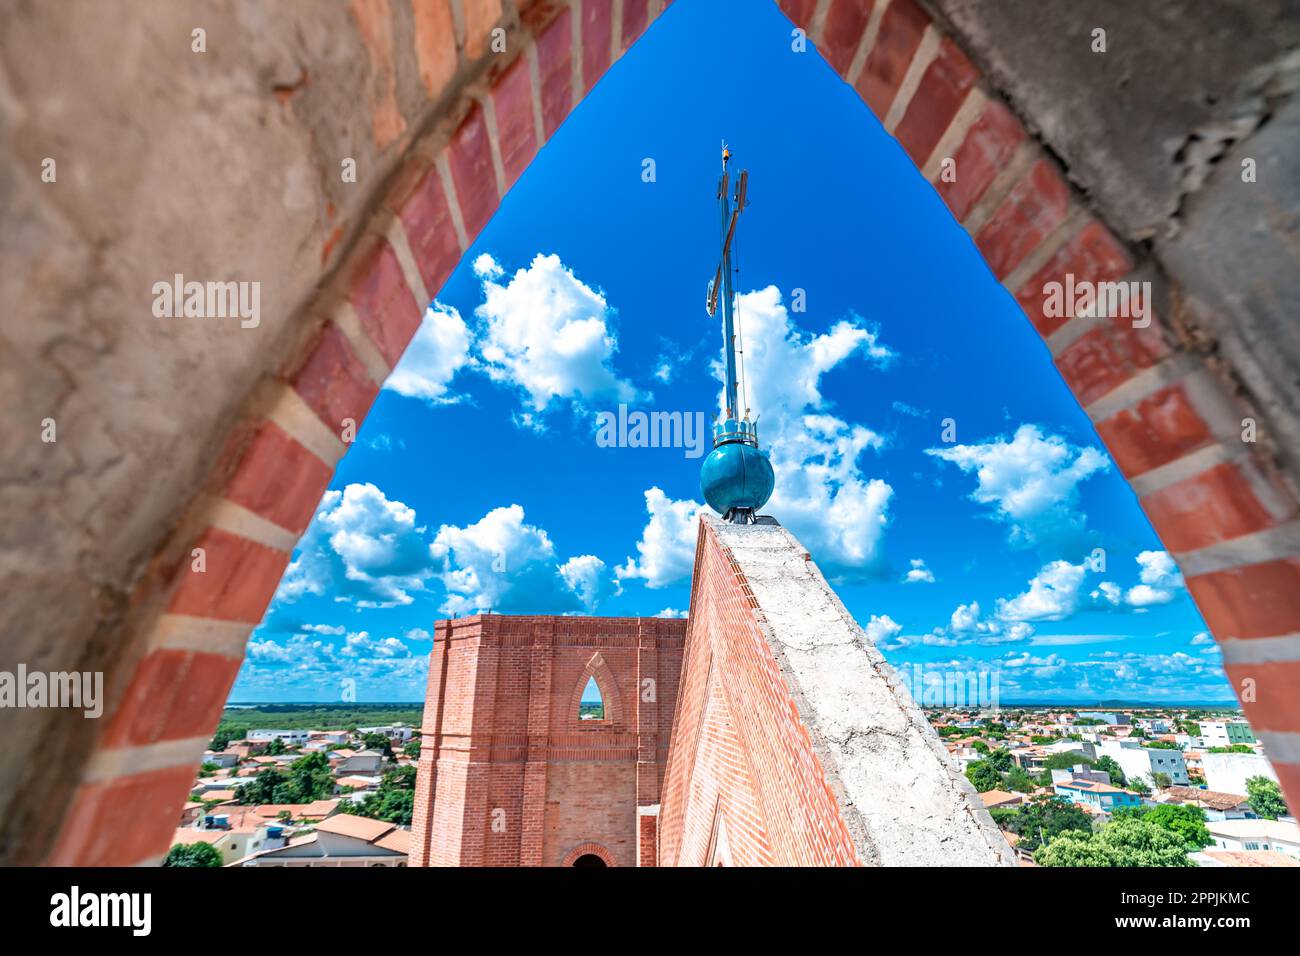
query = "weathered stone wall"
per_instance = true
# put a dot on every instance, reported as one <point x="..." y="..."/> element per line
<point x="175" y="434"/>
<point x="793" y="743"/>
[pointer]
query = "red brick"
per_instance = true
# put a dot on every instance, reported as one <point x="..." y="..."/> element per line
<point x="383" y="301"/>
<point x="426" y="217"/>
<point x="989" y="145"/>
<point x="1288" y="775"/>
<point x="470" y="157"/>
<point x="1155" y="431"/>
<point x="512" y="98"/>
<point x="596" y="31"/>
<point x="636" y="14"/>
<point x="1109" y="355"/>
<point x="901" y="27"/>
<point x="1094" y="255"/>
<point x="939" y="96"/>
<point x="845" y="22"/>
<point x="123" y="821"/>
<point x="555" y="71"/>
<point x="333" y="381"/>
<point x="800" y="12"/>
<point x="1035" y="206"/>
<point x="279" y="479"/>
<point x="1276" y="689"/>
<point x="1258" y="600"/>
<point x="240" y="579"/>
<point x="173" y="695"/>
<point x="1216" y="505"/>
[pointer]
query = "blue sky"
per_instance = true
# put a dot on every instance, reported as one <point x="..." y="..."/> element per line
<point x="477" y="480"/>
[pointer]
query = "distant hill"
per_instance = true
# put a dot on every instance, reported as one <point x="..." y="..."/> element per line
<point x="241" y="718"/>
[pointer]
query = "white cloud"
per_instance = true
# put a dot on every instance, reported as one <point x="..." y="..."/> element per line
<point x="337" y="630"/>
<point x="918" y="573"/>
<point x="1107" y="592"/>
<point x="1202" y="638"/>
<point x="361" y="548"/>
<point x="1053" y="594"/>
<point x="361" y="644"/>
<point x="503" y="564"/>
<point x="588" y="578"/>
<point x="882" y="628"/>
<point x="671" y="612"/>
<point x="821" y="493"/>
<point x="439" y="349"/>
<point x="1030" y="481"/>
<point x="418" y="634"/>
<point x="1160" y="579"/>
<point x="666" y="551"/>
<point x="548" y="333"/>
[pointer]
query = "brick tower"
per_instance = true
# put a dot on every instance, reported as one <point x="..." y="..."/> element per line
<point x="510" y="775"/>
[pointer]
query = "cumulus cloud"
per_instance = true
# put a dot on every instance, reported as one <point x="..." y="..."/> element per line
<point x="822" y="494"/>
<point x="361" y="548"/>
<point x="1052" y="595"/>
<point x="1031" y="482"/>
<point x="312" y="668"/>
<point x="881" y="629"/>
<point x="502" y="563"/>
<point x="549" y="334"/>
<point x="666" y="551"/>
<point x="439" y="349"/>
<point x="1160" y="579"/>
<point x="1203" y="637"/>
<point x="587" y="577"/>
<point x="671" y="612"/>
<point x="918" y="573"/>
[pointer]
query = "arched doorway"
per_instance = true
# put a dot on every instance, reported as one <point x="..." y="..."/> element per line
<point x="588" y="859"/>
<point x="183" y="633"/>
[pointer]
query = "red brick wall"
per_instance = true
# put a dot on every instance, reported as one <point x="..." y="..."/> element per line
<point x="740" y="753"/>
<point x="508" y="774"/>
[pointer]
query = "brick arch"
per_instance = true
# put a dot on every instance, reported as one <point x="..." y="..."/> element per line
<point x="598" y="669"/>
<point x="583" y="849"/>
<point x="1166" y="418"/>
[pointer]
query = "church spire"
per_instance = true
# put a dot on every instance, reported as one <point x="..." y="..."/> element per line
<point x="737" y="478"/>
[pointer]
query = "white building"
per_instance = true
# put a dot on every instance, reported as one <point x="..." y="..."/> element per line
<point x="1256" y="835"/>
<point x="294" y="738"/>
<point x="1225" y="733"/>
<point x="1145" y="762"/>
<point x="340" y="840"/>
<point x="1228" y="773"/>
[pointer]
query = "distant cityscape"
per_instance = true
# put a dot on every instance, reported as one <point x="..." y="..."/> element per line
<point x="1124" y="786"/>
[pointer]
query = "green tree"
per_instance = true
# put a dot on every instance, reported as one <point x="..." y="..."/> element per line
<point x="262" y="789"/>
<point x="1042" y="818"/>
<point x="412" y="749"/>
<point x="275" y="747"/>
<point x="208" y="768"/>
<point x="982" y="775"/>
<point x="1139" y="786"/>
<point x="1162" y="780"/>
<point x="1161" y="745"/>
<point x="1001" y="760"/>
<point x="1109" y="765"/>
<point x="394" y="801"/>
<point x="193" y="854"/>
<point x="1019" y="781"/>
<point x="1187" y="822"/>
<point x="222" y="738"/>
<point x="1233" y="749"/>
<point x="1128" y="840"/>
<point x="1265" y="797"/>
<point x="1064" y="761"/>
<point x="311" y="778"/>
<point x="378" y="742"/>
